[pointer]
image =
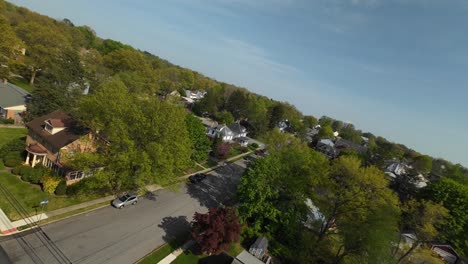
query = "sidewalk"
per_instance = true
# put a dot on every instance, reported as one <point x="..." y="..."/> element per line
<point x="174" y="254"/>
<point x="7" y="227"/>
<point x="12" y="126"/>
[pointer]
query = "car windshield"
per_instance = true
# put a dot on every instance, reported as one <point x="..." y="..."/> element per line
<point x="123" y="198"/>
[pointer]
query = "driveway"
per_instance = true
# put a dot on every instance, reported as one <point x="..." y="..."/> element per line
<point x="110" y="235"/>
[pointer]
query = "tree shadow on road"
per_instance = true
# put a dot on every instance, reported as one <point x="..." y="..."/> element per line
<point x="150" y="195"/>
<point x="176" y="228"/>
<point x="217" y="190"/>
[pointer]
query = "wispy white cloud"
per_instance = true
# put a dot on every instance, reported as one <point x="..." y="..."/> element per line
<point x="256" y="56"/>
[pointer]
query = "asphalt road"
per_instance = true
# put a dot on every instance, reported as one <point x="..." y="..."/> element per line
<point x="110" y="235"/>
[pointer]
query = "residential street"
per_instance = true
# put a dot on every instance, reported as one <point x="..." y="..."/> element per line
<point x="110" y="235"/>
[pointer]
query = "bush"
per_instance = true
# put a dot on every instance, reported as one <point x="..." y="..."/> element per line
<point x="12" y="162"/>
<point x="17" y="169"/>
<point x="61" y="188"/>
<point x="8" y="121"/>
<point x="13" y="146"/>
<point x="15" y="155"/>
<point x="49" y="183"/>
<point x="30" y="174"/>
<point x="254" y="145"/>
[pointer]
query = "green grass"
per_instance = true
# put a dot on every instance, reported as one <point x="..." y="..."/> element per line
<point x="187" y="257"/>
<point x="8" y="134"/>
<point x="161" y="252"/>
<point x="30" y="195"/>
<point x="22" y="83"/>
<point x="210" y="163"/>
<point x="235" y="249"/>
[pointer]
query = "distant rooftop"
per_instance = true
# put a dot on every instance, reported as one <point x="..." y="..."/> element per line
<point x="11" y="95"/>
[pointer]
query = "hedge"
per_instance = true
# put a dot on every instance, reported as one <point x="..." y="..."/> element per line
<point x="61" y="188"/>
<point x="12" y="162"/>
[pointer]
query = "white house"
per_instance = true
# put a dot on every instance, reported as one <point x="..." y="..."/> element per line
<point x="238" y="130"/>
<point x="195" y="95"/>
<point x="395" y="169"/>
<point x="220" y="131"/>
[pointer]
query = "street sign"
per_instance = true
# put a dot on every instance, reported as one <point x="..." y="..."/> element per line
<point x="44" y="202"/>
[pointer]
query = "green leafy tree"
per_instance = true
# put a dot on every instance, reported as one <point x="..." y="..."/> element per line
<point x="310" y="121"/>
<point x="279" y="210"/>
<point x="108" y="45"/>
<point x="422" y="164"/>
<point x="453" y="196"/>
<point x="364" y="210"/>
<point x="350" y="133"/>
<point x="9" y="47"/>
<point x="225" y="117"/>
<point x="44" y="46"/>
<point x="337" y="125"/>
<point x="200" y="141"/>
<point x="148" y="139"/>
<point x="237" y="103"/>
<point x="325" y="132"/>
<point x="126" y="59"/>
<point x="325" y="121"/>
<point x="276" y="140"/>
<point x="422" y="217"/>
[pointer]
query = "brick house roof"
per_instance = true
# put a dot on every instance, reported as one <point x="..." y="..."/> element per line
<point x="60" y="139"/>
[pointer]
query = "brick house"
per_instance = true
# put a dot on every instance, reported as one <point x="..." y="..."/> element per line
<point x="53" y="139"/>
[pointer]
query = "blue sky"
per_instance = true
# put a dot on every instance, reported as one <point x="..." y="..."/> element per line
<point x="397" y="68"/>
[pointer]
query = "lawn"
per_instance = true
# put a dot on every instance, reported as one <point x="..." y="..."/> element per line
<point x="187" y="258"/>
<point x="22" y="83"/>
<point x="30" y="195"/>
<point x="160" y="253"/>
<point x="8" y="134"/>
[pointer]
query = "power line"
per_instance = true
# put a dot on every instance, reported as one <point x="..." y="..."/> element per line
<point x="41" y="235"/>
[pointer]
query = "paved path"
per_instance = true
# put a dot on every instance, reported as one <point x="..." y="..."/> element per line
<point x="174" y="254"/>
<point x="109" y="235"/>
<point x="12" y="126"/>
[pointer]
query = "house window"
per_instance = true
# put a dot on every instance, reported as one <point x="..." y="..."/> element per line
<point x="48" y="127"/>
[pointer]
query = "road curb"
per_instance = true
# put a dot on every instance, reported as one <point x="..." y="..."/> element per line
<point x="13" y="231"/>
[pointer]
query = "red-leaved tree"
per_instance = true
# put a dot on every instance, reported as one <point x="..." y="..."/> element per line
<point x="215" y="230"/>
<point x="222" y="150"/>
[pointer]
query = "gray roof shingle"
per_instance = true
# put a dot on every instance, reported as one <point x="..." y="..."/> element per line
<point x="11" y="95"/>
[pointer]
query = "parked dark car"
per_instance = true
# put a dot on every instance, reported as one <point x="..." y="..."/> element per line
<point x="197" y="177"/>
<point x="249" y="159"/>
<point x="261" y="152"/>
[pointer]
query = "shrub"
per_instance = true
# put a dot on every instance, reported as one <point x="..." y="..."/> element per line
<point x="254" y="145"/>
<point x="13" y="146"/>
<point x="17" y="169"/>
<point x="12" y="162"/>
<point x="8" y="121"/>
<point x="61" y="188"/>
<point x="49" y="183"/>
<point x="12" y="155"/>
<point x="73" y="189"/>
<point x="35" y="176"/>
